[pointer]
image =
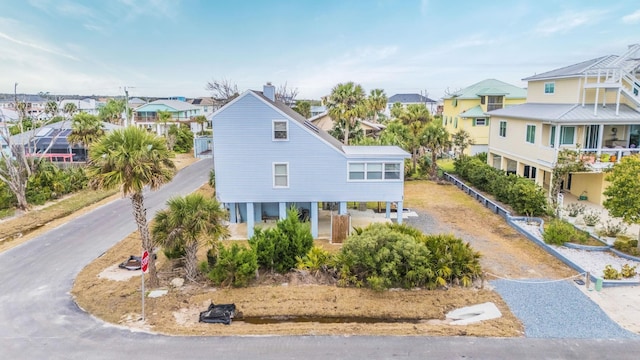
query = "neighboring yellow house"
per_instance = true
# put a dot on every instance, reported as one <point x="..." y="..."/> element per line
<point x="466" y="109"/>
<point x="592" y="106"/>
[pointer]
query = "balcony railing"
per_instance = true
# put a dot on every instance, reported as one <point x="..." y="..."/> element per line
<point x="603" y="158"/>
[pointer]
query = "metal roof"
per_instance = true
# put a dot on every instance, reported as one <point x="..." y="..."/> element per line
<point x="568" y="113"/>
<point x="490" y="87"/>
<point x="575" y="69"/>
<point x="409" y="99"/>
<point x="375" y="151"/>
<point x="174" y="104"/>
<point x="474" y="112"/>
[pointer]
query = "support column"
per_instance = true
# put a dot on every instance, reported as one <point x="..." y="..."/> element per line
<point x="342" y="208"/>
<point x="250" y="220"/>
<point x="600" y="135"/>
<point x="399" y="212"/>
<point x="388" y="210"/>
<point x="258" y="211"/>
<point x="232" y="213"/>
<point x="314" y="220"/>
<point x="282" y="210"/>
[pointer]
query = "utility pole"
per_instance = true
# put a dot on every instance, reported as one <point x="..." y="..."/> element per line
<point x="126" y="107"/>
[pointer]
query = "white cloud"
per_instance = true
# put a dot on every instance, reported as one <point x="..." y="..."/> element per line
<point x="567" y="22"/>
<point x="632" y="18"/>
<point x="36" y="46"/>
<point x="157" y="8"/>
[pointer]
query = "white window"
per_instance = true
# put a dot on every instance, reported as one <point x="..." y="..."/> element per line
<point x="480" y="122"/>
<point x="281" y="175"/>
<point x="374" y="171"/>
<point x="356" y="171"/>
<point x="549" y="87"/>
<point x="280" y="130"/>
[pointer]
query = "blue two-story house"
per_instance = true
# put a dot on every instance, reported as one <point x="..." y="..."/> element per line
<point x="268" y="157"/>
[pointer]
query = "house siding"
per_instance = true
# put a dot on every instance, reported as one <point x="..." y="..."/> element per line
<point x="244" y="154"/>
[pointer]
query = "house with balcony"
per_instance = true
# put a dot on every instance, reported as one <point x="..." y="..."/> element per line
<point x="467" y="109"/>
<point x="267" y="158"/>
<point x="592" y="107"/>
<point x="182" y="112"/>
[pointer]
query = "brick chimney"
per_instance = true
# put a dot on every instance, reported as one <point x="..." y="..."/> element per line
<point x="269" y="91"/>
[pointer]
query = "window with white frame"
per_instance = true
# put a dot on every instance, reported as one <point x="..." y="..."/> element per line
<point x="567" y="135"/>
<point x="531" y="134"/>
<point x="503" y="129"/>
<point x="374" y="171"/>
<point x="549" y="87"/>
<point x="280" y="175"/>
<point x="280" y="130"/>
<point x="480" y="122"/>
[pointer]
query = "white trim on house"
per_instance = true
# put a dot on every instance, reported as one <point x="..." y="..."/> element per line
<point x="382" y="170"/>
<point x="526" y="134"/>
<point x="273" y="168"/>
<point x="286" y="130"/>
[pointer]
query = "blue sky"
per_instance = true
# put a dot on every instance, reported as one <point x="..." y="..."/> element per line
<point x="173" y="47"/>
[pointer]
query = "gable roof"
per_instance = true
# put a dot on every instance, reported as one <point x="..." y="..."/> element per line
<point x="174" y="104"/>
<point x="201" y="101"/>
<point x="490" y="87"/>
<point x="569" y="113"/>
<point x="575" y="69"/>
<point x="137" y="101"/>
<point x="409" y="98"/>
<point x="474" y="112"/>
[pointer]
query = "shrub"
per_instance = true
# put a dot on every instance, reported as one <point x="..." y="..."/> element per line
<point x="574" y="209"/>
<point x="558" y="232"/>
<point x="183" y="138"/>
<point x="591" y="217"/>
<point x="528" y="198"/>
<point x="176" y="252"/>
<point x="628" y="271"/>
<point x="610" y="273"/>
<point x="277" y="248"/>
<point x="386" y="255"/>
<point x="235" y="266"/>
<point x="627" y="245"/>
<point x="611" y="229"/>
<point x="316" y="259"/>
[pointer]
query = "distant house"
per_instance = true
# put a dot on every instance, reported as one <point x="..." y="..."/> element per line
<point x="268" y="158"/>
<point x="8" y="115"/>
<point x="326" y="123"/>
<point x="467" y="109"/>
<point x="87" y="105"/>
<point x="317" y="110"/>
<point x="407" y="99"/>
<point x="38" y="142"/>
<point x="135" y="103"/>
<point x="207" y="105"/>
<point x="181" y="112"/>
<point x="592" y="106"/>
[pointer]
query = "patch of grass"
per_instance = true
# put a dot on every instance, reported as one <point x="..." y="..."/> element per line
<point x="446" y="165"/>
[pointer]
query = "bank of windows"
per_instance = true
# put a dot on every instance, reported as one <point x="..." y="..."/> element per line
<point x="503" y="129"/>
<point x="567" y="135"/>
<point x="549" y="87"/>
<point x="280" y="130"/>
<point x="531" y="134"/>
<point x="361" y="171"/>
<point x="280" y="175"/>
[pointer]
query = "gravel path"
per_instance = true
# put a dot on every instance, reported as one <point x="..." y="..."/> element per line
<point x="547" y="308"/>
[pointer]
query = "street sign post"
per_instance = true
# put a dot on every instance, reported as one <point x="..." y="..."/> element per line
<point x="144" y="266"/>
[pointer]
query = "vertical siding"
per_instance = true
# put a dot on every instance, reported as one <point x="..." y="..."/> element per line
<point x="244" y="155"/>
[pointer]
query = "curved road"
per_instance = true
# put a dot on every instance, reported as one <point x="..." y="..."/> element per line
<point x="39" y="320"/>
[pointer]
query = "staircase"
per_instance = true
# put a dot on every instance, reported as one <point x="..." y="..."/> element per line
<point x="620" y="74"/>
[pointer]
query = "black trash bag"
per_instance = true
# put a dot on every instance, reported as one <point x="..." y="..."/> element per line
<point x="218" y="314"/>
<point x="133" y="263"/>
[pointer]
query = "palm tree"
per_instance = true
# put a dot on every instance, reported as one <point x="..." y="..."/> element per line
<point x="377" y="102"/>
<point x="70" y="109"/>
<point x="346" y="102"/>
<point x="186" y="222"/>
<point x="163" y="118"/>
<point x="415" y="112"/>
<point x="201" y="120"/>
<point x="51" y="108"/>
<point x="436" y="139"/>
<point x="132" y="158"/>
<point x="85" y="129"/>
<point x="415" y="141"/>
<point x="461" y="141"/>
<point x="112" y="111"/>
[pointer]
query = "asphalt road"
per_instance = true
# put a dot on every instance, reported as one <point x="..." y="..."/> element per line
<point x="39" y="320"/>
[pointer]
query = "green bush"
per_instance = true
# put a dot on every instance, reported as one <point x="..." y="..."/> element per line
<point x="558" y="232"/>
<point x="236" y="266"/>
<point x="176" y="252"/>
<point x="183" y="138"/>
<point x="389" y="255"/>
<point x="277" y="248"/>
<point x="627" y="245"/>
<point x="316" y="259"/>
<point x="528" y="198"/>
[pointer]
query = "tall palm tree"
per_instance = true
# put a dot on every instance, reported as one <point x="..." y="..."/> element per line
<point x="415" y="112"/>
<point x="70" y="109"/>
<point x="164" y="117"/>
<point x="85" y="129"/>
<point x="51" y="108"/>
<point x="377" y="102"/>
<point x="201" y="120"/>
<point x="132" y="158"/>
<point x="346" y="102"/>
<point x="188" y="221"/>
<point x="416" y="132"/>
<point x="436" y="139"/>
